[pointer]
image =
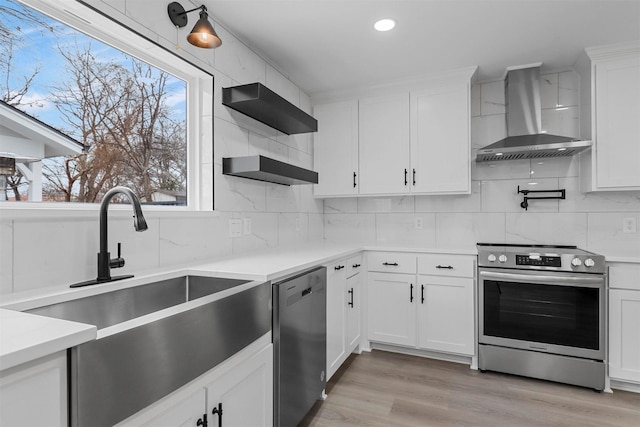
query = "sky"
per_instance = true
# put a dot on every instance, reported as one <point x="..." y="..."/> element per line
<point x="38" y="49"/>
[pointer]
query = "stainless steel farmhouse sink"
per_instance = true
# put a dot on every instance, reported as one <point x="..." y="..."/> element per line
<point x="153" y="339"/>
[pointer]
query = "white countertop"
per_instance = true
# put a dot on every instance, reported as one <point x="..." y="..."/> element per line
<point x="25" y="337"/>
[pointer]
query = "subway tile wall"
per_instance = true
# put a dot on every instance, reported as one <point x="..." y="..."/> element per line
<point x="492" y="212"/>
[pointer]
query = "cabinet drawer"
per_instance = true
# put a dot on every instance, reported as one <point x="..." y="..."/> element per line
<point x="624" y="275"/>
<point x="337" y="267"/>
<point x="395" y="262"/>
<point x="446" y="265"/>
<point x="354" y="265"/>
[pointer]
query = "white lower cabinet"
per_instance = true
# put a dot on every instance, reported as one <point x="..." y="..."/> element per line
<point x="35" y="393"/>
<point x="243" y="397"/>
<point x="433" y="311"/>
<point x="624" y="336"/>
<point x="353" y="311"/>
<point x="238" y="392"/>
<point x="624" y="319"/>
<point x="343" y="311"/>
<point x="391" y="308"/>
<point x="445" y="314"/>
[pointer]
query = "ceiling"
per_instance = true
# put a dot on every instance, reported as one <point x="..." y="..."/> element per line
<point x="327" y="45"/>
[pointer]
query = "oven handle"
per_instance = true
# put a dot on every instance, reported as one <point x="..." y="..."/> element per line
<point x="548" y="280"/>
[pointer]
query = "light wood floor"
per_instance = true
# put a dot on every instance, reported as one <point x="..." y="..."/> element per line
<point x="389" y="389"/>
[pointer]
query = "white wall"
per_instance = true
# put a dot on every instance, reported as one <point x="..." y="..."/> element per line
<point x="59" y="248"/>
<point x="492" y="213"/>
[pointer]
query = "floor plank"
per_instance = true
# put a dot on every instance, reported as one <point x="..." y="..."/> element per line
<point x="389" y="389"/>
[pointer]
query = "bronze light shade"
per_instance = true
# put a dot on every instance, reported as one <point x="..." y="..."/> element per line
<point x="203" y="34"/>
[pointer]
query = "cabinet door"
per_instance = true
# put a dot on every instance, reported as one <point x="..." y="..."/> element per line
<point x="353" y="311"/>
<point x="624" y="338"/>
<point x="440" y="140"/>
<point x="336" y="316"/>
<point x="245" y="393"/>
<point x="185" y="413"/>
<point x="391" y="308"/>
<point x="445" y="314"/>
<point x="384" y="145"/>
<point x="335" y="149"/>
<point x="617" y="129"/>
<point x="35" y="393"/>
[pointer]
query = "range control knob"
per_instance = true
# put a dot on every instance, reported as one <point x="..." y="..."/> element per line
<point x="502" y="258"/>
<point x="589" y="262"/>
<point x="491" y="258"/>
<point x="576" y="262"/>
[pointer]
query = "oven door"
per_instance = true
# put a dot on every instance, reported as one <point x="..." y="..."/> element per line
<point x="551" y="312"/>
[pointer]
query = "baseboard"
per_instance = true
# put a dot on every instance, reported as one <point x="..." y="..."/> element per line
<point x="625" y="386"/>
<point x="465" y="360"/>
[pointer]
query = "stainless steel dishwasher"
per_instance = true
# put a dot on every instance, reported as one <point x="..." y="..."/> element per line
<point x="300" y="344"/>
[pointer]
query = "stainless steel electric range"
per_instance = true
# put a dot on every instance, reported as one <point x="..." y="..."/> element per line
<point x="542" y="312"/>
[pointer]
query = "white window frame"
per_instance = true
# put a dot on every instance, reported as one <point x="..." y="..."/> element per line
<point x="200" y="88"/>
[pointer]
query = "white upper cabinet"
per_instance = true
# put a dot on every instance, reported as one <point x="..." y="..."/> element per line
<point x="610" y="86"/>
<point x="440" y="140"/>
<point x="409" y="138"/>
<point x="336" y="149"/>
<point x="384" y="145"/>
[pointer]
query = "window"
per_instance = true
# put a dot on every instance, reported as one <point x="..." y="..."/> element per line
<point x="82" y="114"/>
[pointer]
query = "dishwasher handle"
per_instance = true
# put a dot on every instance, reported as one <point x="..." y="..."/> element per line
<point x="307" y="291"/>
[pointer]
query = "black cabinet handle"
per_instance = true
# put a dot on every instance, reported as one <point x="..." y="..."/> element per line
<point x="355" y="266"/>
<point x="390" y="263"/>
<point x="414" y="177"/>
<point x="350" y="303"/>
<point x="218" y="411"/>
<point x="411" y="294"/>
<point x="448" y="267"/>
<point x="202" y="421"/>
<point x="338" y="267"/>
<point x="405" y="177"/>
<point x="354" y="180"/>
<point x="422" y="294"/>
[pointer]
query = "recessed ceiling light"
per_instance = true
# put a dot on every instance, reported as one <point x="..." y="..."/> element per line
<point x="384" y="24"/>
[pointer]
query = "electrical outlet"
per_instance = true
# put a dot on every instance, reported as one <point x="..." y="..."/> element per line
<point x="246" y="226"/>
<point x="418" y="223"/>
<point x="629" y="225"/>
<point x="235" y="228"/>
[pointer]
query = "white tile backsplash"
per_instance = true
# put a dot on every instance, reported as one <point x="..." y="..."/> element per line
<point x="67" y="254"/>
<point x="464" y="230"/>
<point x="349" y="228"/>
<point x="400" y="229"/>
<point x="607" y="236"/>
<point x="187" y="240"/>
<point x="547" y="228"/>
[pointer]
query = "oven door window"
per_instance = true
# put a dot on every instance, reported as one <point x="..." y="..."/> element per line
<point x="552" y="314"/>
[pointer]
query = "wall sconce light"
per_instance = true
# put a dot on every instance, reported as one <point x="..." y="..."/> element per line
<point x="203" y="34"/>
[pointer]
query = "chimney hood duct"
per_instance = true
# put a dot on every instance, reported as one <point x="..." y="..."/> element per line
<point x="525" y="138"/>
<point x="263" y="168"/>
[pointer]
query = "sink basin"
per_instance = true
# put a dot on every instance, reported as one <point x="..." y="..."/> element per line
<point x="115" y="307"/>
<point x="153" y="339"/>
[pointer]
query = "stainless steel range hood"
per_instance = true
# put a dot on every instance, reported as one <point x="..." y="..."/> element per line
<point x="525" y="138"/>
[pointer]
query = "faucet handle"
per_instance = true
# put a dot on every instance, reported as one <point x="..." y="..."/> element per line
<point x="117" y="262"/>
